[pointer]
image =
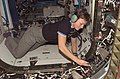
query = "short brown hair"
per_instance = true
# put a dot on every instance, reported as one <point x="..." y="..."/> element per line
<point x="82" y="13"/>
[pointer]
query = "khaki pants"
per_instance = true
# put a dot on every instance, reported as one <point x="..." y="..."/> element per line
<point x="31" y="39"/>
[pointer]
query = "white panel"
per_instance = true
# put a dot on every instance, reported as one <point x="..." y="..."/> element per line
<point x="5" y="55"/>
<point x="44" y="55"/>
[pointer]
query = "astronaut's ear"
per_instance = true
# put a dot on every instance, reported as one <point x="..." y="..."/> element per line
<point x="74" y="18"/>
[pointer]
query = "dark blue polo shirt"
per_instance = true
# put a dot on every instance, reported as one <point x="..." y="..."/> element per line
<point x="50" y="31"/>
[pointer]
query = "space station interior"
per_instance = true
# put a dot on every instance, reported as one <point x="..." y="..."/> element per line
<point x="46" y="62"/>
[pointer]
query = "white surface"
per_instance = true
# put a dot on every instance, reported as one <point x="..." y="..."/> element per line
<point x="54" y="57"/>
<point x="5" y="55"/>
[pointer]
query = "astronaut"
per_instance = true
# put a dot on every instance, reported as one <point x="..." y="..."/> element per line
<point x="52" y="33"/>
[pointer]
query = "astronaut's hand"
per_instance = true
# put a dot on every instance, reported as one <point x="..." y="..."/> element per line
<point x="83" y="63"/>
